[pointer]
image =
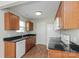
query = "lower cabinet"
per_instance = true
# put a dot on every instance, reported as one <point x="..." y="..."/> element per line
<point x="19" y="48"/>
<point x="14" y="49"/>
<point x="56" y="54"/>
<point x="10" y="49"/>
<point x="62" y="54"/>
<point x="30" y="42"/>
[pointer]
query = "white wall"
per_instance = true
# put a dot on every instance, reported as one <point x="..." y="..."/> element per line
<point x="74" y="35"/>
<point x="42" y="31"/>
<point x="51" y="32"/>
<point x="1" y="34"/>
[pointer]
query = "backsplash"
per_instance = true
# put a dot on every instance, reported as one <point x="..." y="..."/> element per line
<point x="74" y="35"/>
<point x="65" y="38"/>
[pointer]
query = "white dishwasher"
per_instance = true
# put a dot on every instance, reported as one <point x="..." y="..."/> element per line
<point x="20" y="48"/>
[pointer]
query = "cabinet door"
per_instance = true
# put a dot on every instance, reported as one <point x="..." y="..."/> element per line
<point x="27" y="44"/>
<point x="68" y="14"/>
<point x="71" y="14"/>
<point x="29" y="26"/>
<point x="15" y="22"/>
<point x="34" y="40"/>
<point x="10" y="50"/>
<point x="11" y="21"/>
<point x="30" y="42"/>
<point x="55" y="54"/>
<point x="8" y="21"/>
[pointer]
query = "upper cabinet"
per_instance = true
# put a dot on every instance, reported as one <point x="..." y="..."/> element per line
<point x="68" y="15"/>
<point x="29" y="26"/>
<point x="11" y="21"/>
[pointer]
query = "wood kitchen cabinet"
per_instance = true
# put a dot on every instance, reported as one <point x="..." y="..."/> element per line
<point x="11" y="21"/>
<point x="30" y="42"/>
<point x="10" y="49"/>
<point x="29" y="26"/>
<point x="14" y="49"/>
<point x="27" y="44"/>
<point x="55" y="54"/>
<point x="68" y="15"/>
<point x="62" y="54"/>
<point x="33" y="40"/>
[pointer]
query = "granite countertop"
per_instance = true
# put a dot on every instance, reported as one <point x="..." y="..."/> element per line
<point x="18" y="38"/>
<point x="74" y="46"/>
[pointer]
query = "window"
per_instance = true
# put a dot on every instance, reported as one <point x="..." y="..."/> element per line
<point x="22" y="26"/>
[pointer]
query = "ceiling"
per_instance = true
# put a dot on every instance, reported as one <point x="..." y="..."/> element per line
<point x="5" y="2"/>
<point x="48" y="9"/>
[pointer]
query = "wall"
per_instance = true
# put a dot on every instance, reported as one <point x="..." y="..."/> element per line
<point x="74" y="35"/>
<point x="43" y="34"/>
<point x="1" y="34"/>
<point x="4" y="33"/>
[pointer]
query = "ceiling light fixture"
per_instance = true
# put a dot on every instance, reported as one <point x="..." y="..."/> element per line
<point x="38" y="13"/>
